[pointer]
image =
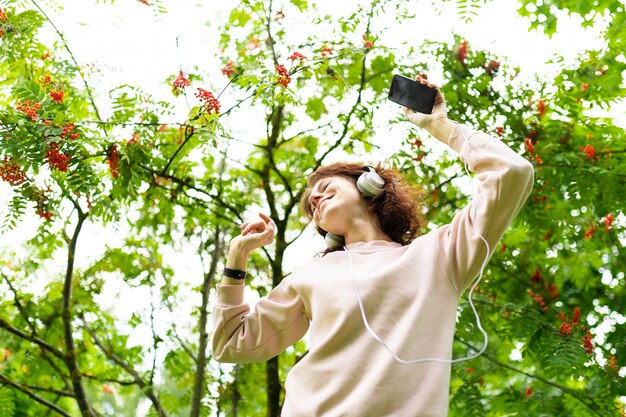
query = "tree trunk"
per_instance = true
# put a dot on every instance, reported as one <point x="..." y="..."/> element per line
<point x="204" y="336"/>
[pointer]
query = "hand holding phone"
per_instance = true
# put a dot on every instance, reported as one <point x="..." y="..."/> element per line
<point x="412" y="94"/>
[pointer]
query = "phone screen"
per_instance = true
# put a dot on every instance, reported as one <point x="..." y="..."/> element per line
<point x="412" y="94"/>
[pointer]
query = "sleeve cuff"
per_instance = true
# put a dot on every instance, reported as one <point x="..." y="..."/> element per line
<point x="230" y="295"/>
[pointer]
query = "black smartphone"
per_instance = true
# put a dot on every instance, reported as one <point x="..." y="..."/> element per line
<point x="412" y="94"/>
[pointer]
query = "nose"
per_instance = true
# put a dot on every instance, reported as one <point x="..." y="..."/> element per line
<point x="315" y="198"/>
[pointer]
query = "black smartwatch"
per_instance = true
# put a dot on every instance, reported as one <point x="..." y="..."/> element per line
<point x="234" y="273"/>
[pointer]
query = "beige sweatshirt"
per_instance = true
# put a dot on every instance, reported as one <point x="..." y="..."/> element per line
<point x="410" y="295"/>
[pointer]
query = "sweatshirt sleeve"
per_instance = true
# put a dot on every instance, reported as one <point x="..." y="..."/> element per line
<point x="278" y="321"/>
<point x="504" y="181"/>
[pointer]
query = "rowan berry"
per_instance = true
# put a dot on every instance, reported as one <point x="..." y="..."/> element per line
<point x="492" y="68"/>
<point x="587" y="343"/>
<point x="367" y="43"/>
<point x="181" y="82"/>
<point x="326" y="51"/>
<point x="576" y="315"/>
<point x="590" y="152"/>
<point x="11" y="172"/>
<point x="210" y="102"/>
<point x="57" y="159"/>
<point x="57" y="96"/>
<point x="3" y="15"/>
<point x="297" y="55"/>
<point x="113" y="158"/>
<point x="541" y="107"/>
<point x="283" y="75"/>
<point x="589" y="231"/>
<point x="461" y="53"/>
<point x="29" y="108"/>
<point x="608" y="221"/>
<point x="228" y="69"/>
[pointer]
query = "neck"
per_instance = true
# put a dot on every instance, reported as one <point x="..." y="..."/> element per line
<point x="365" y="232"/>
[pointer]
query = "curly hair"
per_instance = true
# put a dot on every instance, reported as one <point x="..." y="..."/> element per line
<point x="398" y="209"/>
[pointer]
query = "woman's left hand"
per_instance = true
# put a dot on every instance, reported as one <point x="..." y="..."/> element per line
<point x="439" y="113"/>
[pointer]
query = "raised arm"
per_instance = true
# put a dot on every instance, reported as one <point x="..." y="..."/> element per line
<point x="503" y="183"/>
<point x="278" y="320"/>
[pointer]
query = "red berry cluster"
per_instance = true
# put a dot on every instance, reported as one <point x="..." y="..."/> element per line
<point x="326" y="51"/>
<point x="528" y="393"/>
<point x="29" y="108"/>
<point x="608" y="221"/>
<point x="134" y="138"/>
<point x="42" y="206"/>
<point x="113" y="159"/>
<point x="367" y="43"/>
<point x="3" y="15"/>
<point x="11" y="172"/>
<point x="538" y="298"/>
<point x="461" y="53"/>
<point x="45" y="79"/>
<point x="297" y="55"/>
<point x="530" y="148"/>
<point x="181" y="82"/>
<point x="210" y="102"/>
<point x="541" y="107"/>
<point x="492" y="68"/>
<point x="567" y="326"/>
<point x="57" y="96"/>
<point x="43" y="213"/>
<point x="67" y="131"/>
<point x="416" y="144"/>
<point x="57" y="159"/>
<point x="500" y="131"/>
<point x="283" y="75"/>
<point x="590" y="152"/>
<point x="228" y="69"/>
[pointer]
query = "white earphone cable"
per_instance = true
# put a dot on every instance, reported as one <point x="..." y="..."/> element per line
<point x="471" y="303"/>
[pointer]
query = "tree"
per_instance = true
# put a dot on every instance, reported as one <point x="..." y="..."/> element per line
<point x="552" y="293"/>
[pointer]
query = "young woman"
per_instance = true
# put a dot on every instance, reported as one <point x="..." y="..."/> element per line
<point x="380" y="304"/>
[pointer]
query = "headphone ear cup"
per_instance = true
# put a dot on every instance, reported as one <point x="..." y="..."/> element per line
<point x="370" y="183"/>
<point x="333" y="241"/>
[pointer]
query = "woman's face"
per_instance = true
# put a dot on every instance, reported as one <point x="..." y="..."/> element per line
<point x="336" y="203"/>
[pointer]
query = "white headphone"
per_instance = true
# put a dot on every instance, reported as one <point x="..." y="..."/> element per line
<point x="370" y="184"/>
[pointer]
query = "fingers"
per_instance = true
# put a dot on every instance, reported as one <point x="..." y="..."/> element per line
<point x="258" y="226"/>
<point x="422" y="79"/>
<point x="265" y="218"/>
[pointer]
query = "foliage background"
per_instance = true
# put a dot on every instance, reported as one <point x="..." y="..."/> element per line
<point x="97" y="325"/>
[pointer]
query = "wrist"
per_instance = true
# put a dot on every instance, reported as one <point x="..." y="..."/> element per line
<point x="237" y="257"/>
<point x="441" y="129"/>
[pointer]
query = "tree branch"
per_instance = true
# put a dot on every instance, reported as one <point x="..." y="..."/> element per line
<point x="209" y="277"/>
<point x="70" y="358"/>
<point x="589" y="404"/>
<point x="23" y="388"/>
<point x="34" y="339"/>
<point x="146" y="388"/>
